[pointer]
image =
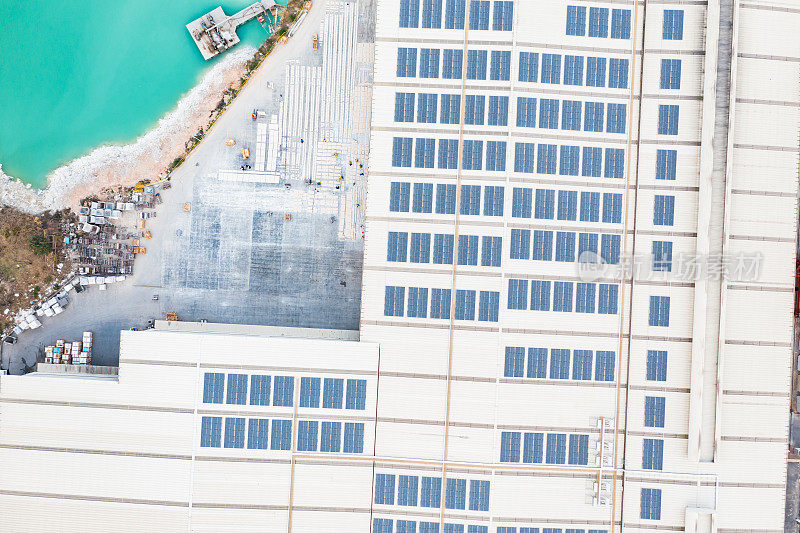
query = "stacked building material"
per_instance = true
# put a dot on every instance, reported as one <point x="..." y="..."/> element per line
<point x="75" y="352"/>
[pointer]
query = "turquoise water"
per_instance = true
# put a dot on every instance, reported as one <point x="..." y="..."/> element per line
<point x="75" y="75"/>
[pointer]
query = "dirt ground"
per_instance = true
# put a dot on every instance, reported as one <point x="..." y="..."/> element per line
<point x="27" y="272"/>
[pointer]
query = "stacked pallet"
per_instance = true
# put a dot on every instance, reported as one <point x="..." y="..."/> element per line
<point x="75" y="352"/>
<point x="85" y="354"/>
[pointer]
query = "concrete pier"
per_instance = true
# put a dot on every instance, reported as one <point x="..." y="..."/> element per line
<point x="215" y="31"/>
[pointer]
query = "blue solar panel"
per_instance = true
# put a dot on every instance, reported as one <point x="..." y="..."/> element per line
<point x="440" y="303"/>
<point x="450" y="109"/>
<point x="673" y="24"/>
<point x="496" y="160"/>
<point x="596" y="71"/>
<point x="529" y="66"/>
<point x="417" y="302"/>
<point x="211" y="432"/>
<point x="465" y="304"/>
<point x="332" y="393"/>
<point x="310" y="389"/>
<point x="452" y="64"/>
<point x="213" y="387"/>
<point x="498" y="111"/>
<point x="520" y="243"/>
<point x="562" y="294"/>
<point x="501" y="65"/>
<point x="576" y="20"/>
<point x="409" y="13"/>
<point x="284" y="391"/>
<point x="260" y="387"/>
<point x="455" y="496"/>
<point x="353" y="437"/>
<point x="488" y="306"/>
<point x="598" y="22"/>
<point x="407" y="490"/>
<point x="420" y="248"/>
<point x="573" y="70"/>
<point x="258" y="434"/>
<point x="431" y="13"/>
<point x="426" y="108"/>
<point x="503" y="15"/>
<point x="237" y="389"/>
<point x="546" y="159"/>
<point x="281" y="435"/>
<point x="356" y="394"/>
<point x="454" y="15"/>
<point x="491" y="251"/>
<point x="479" y="14"/>
<point x="234" y="433"/>
<point x="307" y="433"/>
<point x="429" y="62"/>
<point x="448" y="158"/>
<point x="476" y="64"/>
<point x="406" y="62"/>
<point x="604" y="366"/>
<point x="618" y="73"/>
<point x="620" y="23"/>
<point x="397" y="246"/>
<point x="594" y="116"/>
<point x="384" y="489"/>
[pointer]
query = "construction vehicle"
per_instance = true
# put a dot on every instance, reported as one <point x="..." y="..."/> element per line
<point x="315" y="41"/>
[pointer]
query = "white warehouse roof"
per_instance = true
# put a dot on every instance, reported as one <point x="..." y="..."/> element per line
<point x="498" y="386"/>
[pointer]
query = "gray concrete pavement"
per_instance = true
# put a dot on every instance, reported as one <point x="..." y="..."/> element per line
<point x="106" y="313"/>
<point x="792" y="498"/>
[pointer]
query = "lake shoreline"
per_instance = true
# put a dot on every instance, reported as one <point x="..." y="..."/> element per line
<point x="110" y="166"/>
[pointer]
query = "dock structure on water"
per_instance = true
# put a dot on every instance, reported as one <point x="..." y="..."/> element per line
<point x="215" y="31"/>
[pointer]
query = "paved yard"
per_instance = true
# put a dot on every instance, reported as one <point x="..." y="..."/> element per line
<point x="281" y="248"/>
